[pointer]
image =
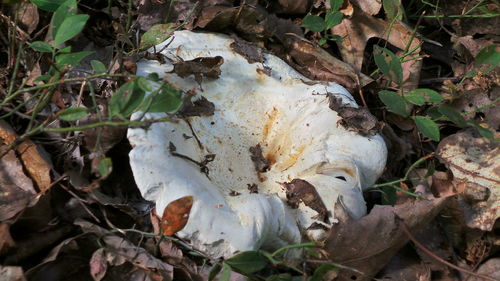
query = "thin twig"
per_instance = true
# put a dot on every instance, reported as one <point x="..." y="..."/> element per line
<point x="424" y="249"/>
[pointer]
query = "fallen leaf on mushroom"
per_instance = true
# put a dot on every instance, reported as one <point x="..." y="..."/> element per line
<point x="268" y="138"/>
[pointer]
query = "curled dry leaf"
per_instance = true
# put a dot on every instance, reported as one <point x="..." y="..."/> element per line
<point x="300" y="191"/>
<point x="32" y="157"/>
<point x="359" y="28"/>
<point x="176" y="215"/>
<point x="369" y="243"/>
<point x="199" y="67"/>
<point x="357" y="119"/>
<point x="370" y="7"/>
<point x="474" y="161"/>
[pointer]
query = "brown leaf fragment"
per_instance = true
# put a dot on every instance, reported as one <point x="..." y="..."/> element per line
<point x="359" y="28"/>
<point x="474" y="160"/>
<point x="248" y="50"/>
<point x="290" y="7"/>
<point x="233" y="192"/>
<point x="98" y="264"/>
<point x="371" y="7"/>
<point x="199" y="107"/>
<point x="6" y="241"/>
<point x="253" y="188"/>
<point x="208" y="67"/>
<point x="176" y="215"/>
<point x="28" y="16"/>
<point x="358" y="119"/>
<point x="489" y="268"/>
<point x="404" y="266"/>
<point x="300" y="191"/>
<point x="11" y="273"/>
<point x="261" y="164"/>
<point x="369" y="243"/>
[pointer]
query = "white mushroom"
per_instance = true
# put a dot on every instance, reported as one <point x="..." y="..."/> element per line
<point x="284" y="113"/>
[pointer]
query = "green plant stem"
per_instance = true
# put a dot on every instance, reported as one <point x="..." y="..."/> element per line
<point x="390" y="183"/>
<point x="303" y="245"/>
<point x="418" y="162"/>
<point x="105" y="123"/>
<point x="464" y="16"/>
<point x="18" y="92"/>
<point x="16" y="68"/>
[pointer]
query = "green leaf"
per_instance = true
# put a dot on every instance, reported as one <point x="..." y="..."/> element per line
<point x="452" y="115"/>
<point x="247" y="262"/>
<point x="389" y="64"/>
<point x="47" y="5"/>
<point x="226" y="273"/>
<point x="167" y="99"/>
<point x="66" y="49"/>
<point x="72" y="58"/>
<point x="280" y="277"/>
<point x="332" y="19"/>
<point x="73" y="113"/>
<point x="483" y="131"/>
<point x="156" y="34"/>
<point x="394" y="102"/>
<point x="126" y="100"/>
<point x="67" y="9"/>
<point x="427" y="127"/>
<point x="41" y="78"/>
<point x="214" y="271"/>
<point x="488" y="55"/>
<point x="314" y="23"/>
<point x="41" y="46"/>
<point x="321" y="271"/>
<point x="336" y="4"/>
<point x="69" y="28"/>
<point x="393" y="9"/>
<point x="389" y="195"/>
<point x="422" y="96"/>
<point x="105" y="167"/>
<point x="98" y="66"/>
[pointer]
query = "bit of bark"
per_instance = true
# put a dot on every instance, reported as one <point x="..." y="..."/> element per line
<point x="300" y="191"/>
<point x="258" y="159"/>
<point x="357" y="119"/>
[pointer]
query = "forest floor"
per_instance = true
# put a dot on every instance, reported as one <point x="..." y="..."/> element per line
<point x="427" y="70"/>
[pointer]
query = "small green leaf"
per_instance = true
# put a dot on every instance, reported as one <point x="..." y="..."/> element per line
<point x="322" y="41"/>
<point x="247" y="262"/>
<point x="321" y="271"/>
<point x="226" y="273"/>
<point x="422" y="96"/>
<point x="73" y="113"/>
<point x="214" y="271"/>
<point x="105" y="167"/>
<point x="126" y="100"/>
<point x="72" y="58"/>
<point x="389" y="195"/>
<point x="427" y="127"/>
<point x="64" y="50"/>
<point x="42" y="78"/>
<point x="394" y="102"/>
<point x="41" y="46"/>
<point x="389" y="64"/>
<point x="98" y="66"/>
<point x="167" y="99"/>
<point x="66" y="9"/>
<point x="156" y="34"/>
<point x="314" y="23"/>
<point x="47" y="5"/>
<point x="69" y="28"/>
<point x="332" y="19"/>
<point x="336" y="4"/>
<point x="393" y="9"/>
<point x="488" y="55"/>
<point x="452" y="115"/>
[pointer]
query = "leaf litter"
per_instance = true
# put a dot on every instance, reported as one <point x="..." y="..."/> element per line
<point x="456" y="221"/>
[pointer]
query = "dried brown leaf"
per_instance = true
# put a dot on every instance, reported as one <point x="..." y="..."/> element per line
<point x="28" y="16"/>
<point x="370" y="242"/>
<point x="474" y="160"/>
<point x="98" y="264"/>
<point x="358" y="29"/>
<point x="356" y="119"/>
<point x="300" y="191"/>
<point x="370" y="7"/>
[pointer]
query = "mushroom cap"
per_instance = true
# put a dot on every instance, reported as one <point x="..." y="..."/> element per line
<point x="263" y="103"/>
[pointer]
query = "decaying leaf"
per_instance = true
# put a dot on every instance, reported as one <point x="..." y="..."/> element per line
<point x="300" y="191"/>
<point x="98" y="264"/>
<point x="357" y="119"/>
<point x="11" y="273"/>
<point x="249" y="51"/>
<point x="261" y="163"/>
<point x="370" y="7"/>
<point x="33" y="160"/>
<point x="370" y="242"/>
<point x="176" y="215"/>
<point x="474" y="161"/>
<point x="199" y="67"/>
<point x="359" y="28"/>
<point x="6" y="241"/>
<point x="199" y="107"/>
